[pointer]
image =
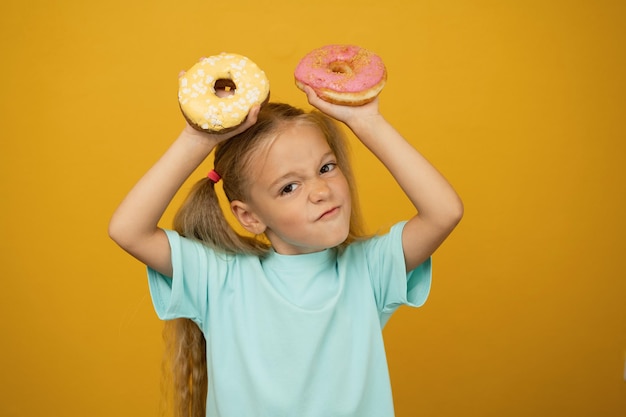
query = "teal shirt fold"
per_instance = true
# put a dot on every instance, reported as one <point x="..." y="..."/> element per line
<point x="293" y="335"/>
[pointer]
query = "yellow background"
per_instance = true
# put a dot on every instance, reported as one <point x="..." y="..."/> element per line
<point x="520" y="103"/>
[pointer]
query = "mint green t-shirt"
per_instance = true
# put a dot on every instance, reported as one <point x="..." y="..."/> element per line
<point x="293" y="335"/>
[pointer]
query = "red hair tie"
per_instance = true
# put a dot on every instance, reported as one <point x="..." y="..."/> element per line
<point x="214" y="176"/>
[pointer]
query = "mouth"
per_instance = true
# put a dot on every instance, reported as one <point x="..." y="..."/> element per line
<point x="329" y="213"/>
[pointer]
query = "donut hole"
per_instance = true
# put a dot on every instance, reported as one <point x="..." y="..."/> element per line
<point x="340" y="67"/>
<point x="224" y="87"/>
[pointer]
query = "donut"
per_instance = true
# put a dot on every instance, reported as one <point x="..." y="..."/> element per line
<point x="342" y="74"/>
<point x="216" y="94"/>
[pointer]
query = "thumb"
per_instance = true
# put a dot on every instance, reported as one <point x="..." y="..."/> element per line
<point x="249" y="121"/>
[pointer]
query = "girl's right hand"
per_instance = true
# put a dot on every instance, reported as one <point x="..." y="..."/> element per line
<point x="215" y="138"/>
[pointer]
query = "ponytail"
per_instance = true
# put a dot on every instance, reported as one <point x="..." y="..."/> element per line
<point x="201" y="218"/>
<point x="184" y="368"/>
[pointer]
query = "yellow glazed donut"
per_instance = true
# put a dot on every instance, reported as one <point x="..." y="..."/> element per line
<point x="216" y="94"/>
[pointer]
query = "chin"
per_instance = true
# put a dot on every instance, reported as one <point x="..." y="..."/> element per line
<point x="340" y="240"/>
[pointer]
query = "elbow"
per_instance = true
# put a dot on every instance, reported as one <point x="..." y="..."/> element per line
<point x="452" y="215"/>
<point x="114" y="231"/>
<point x="456" y="212"/>
<point x="117" y="232"/>
<point x="128" y="236"/>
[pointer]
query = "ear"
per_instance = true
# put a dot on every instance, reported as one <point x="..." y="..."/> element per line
<point x="247" y="218"/>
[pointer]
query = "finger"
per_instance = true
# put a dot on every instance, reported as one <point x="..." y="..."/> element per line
<point x="249" y="121"/>
<point x="313" y="98"/>
<point x="311" y="95"/>
<point x="253" y="114"/>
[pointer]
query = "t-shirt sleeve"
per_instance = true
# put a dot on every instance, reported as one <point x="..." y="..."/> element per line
<point x="185" y="295"/>
<point x="391" y="284"/>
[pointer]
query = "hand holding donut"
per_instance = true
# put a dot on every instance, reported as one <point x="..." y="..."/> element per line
<point x="216" y="138"/>
<point x="343" y="113"/>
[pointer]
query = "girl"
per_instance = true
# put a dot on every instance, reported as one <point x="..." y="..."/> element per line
<point x="287" y="324"/>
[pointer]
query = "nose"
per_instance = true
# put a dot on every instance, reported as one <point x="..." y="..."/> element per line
<point x="320" y="190"/>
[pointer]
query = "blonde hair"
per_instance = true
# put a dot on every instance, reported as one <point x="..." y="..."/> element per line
<point x="201" y="218"/>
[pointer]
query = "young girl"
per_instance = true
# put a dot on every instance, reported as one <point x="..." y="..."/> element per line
<point x="288" y="322"/>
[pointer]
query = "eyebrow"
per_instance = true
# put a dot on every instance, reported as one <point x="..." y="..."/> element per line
<point x="290" y="174"/>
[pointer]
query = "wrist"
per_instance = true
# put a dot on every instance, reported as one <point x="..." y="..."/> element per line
<point x="199" y="139"/>
<point x="365" y="124"/>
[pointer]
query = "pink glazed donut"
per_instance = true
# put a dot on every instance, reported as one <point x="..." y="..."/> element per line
<point x="342" y="74"/>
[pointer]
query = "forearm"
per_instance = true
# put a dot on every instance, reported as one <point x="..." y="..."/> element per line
<point x="138" y="215"/>
<point x="438" y="206"/>
<point x="431" y="194"/>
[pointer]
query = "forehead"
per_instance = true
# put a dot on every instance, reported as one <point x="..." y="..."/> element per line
<point x="301" y="139"/>
<point x="294" y="147"/>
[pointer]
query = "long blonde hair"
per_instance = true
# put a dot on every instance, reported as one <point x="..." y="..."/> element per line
<point x="201" y="218"/>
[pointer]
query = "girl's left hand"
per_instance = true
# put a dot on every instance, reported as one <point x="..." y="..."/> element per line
<point x="345" y="114"/>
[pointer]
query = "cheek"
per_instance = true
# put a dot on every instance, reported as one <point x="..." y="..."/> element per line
<point x="344" y="189"/>
<point x="287" y="214"/>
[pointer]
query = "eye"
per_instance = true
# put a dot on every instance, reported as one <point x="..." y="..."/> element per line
<point x="288" y="189"/>
<point x="328" y="167"/>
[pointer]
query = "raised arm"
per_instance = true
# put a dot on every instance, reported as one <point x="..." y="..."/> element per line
<point x="134" y="225"/>
<point x="439" y="208"/>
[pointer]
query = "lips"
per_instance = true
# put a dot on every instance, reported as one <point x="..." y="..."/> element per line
<point x="329" y="213"/>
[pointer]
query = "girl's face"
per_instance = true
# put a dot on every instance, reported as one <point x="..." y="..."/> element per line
<point x="298" y="197"/>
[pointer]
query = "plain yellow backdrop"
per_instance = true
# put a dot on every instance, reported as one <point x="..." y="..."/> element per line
<point x="520" y="103"/>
